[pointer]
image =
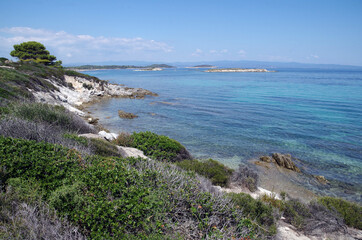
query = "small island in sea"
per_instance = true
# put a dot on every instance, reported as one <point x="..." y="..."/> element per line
<point x="153" y="67"/>
<point x="238" y="70"/>
<point x="203" y="66"/>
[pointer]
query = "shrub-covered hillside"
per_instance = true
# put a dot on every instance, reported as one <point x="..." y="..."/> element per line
<point x="56" y="184"/>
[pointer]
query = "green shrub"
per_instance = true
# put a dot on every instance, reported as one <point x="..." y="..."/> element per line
<point x="254" y="209"/>
<point x="351" y="212"/>
<point x="124" y="139"/>
<point x="87" y="86"/>
<point x="47" y="163"/>
<point x="218" y="173"/>
<point x="24" y="216"/>
<point x="52" y="114"/>
<point x="296" y="213"/>
<point x="81" y="140"/>
<point x="159" y="147"/>
<point x="104" y="148"/>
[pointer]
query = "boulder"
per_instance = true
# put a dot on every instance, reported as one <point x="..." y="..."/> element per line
<point x="107" y="136"/>
<point x="91" y="135"/>
<point x="321" y="179"/>
<point x="123" y="114"/>
<point x="265" y="159"/>
<point x="285" y="160"/>
<point x="131" y="152"/>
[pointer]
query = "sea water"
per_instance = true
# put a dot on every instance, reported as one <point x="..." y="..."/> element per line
<point x="313" y="114"/>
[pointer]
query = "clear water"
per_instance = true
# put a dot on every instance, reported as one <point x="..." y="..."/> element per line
<point x="315" y="115"/>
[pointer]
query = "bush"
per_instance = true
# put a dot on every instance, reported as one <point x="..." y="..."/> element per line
<point x="246" y="177"/>
<point x="114" y="198"/>
<point x="87" y="86"/>
<point x="49" y="164"/>
<point x="24" y="216"/>
<point x="218" y="173"/>
<point x="254" y="209"/>
<point x="351" y="212"/>
<point x="104" y="148"/>
<point x="160" y="147"/>
<point x="42" y="131"/>
<point x="124" y="139"/>
<point x="296" y="213"/>
<point x="55" y="115"/>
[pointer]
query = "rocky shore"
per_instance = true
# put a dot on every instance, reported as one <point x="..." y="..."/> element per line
<point x="80" y="90"/>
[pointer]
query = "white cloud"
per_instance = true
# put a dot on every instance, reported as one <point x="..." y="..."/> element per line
<point x="242" y="53"/>
<point x="197" y="52"/>
<point x="83" y="47"/>
<point x="314" y="56"/>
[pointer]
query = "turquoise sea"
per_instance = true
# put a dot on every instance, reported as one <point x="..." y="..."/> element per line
<point x="313" y="114"/>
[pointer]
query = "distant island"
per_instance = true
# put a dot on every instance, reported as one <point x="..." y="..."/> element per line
<point x="104" y="67"/>
<point x="238" y="70"/>
<point x="203" y="66"/>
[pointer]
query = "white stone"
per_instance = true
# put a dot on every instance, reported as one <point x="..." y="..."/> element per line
<point x="106" y="135"/>
<point x="131" y="152"/>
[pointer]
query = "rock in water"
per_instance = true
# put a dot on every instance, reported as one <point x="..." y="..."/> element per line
<point x="123" y="114"/>
<point x="285" y="160"/>
<point x="265" y="159"/>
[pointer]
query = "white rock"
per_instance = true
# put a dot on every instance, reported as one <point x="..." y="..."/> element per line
<point x="131" y="152"/>
<point x="106" y="135"/>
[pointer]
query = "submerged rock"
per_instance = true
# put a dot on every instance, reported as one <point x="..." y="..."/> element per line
<point x="123" y="114"/>
<point x="321" y="179"/>
<point x="285" y="160"/>
<point x="265" y="159"/>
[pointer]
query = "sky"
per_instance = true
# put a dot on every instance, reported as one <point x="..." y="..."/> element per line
<point x="91" y="31"/>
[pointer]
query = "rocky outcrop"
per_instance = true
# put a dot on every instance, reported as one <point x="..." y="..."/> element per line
<point x="265" y="159"/>
<point x="321" y="179"/>
<point x="74" y="91"/>
<point x="285" y="160"/>
<point x="123" y="114"/>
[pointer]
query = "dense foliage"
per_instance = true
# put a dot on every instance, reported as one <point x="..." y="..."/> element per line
<point x="115" y="198"/>
<point x="255" y="209"/>
<point x="218" y="173"/>
<point x="351" y="212"/>
<point x="155" y="146"/>
<point x="34" y="51"/>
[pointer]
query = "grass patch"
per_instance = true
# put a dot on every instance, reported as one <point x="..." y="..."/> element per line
<point x="218" y="173"/>
<point x="351" y="212"/>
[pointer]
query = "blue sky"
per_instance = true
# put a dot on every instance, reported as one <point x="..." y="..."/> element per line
<point x="167" y="31"/>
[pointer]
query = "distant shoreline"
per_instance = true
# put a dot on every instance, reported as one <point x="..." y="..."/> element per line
<point x="222" y="70"/>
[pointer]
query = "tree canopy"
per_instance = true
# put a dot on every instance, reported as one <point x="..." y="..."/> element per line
<point x="34" y="51"/>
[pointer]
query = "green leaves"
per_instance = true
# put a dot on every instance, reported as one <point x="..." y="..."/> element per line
<point x="158" y="147"/>
<point x="33" y="51"/>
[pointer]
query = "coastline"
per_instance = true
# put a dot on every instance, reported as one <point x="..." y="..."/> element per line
<point x="80" y="92"/>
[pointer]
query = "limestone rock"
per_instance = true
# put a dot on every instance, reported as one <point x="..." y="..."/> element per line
<point x="123" y="114"/>
<point x="91" y="135"/>
<point x="285" y="160"/>
<point x="131" y="152"/>
<point x="107" y="136"/>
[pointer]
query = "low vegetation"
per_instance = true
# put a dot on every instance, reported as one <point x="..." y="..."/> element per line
<point x="155" y="146"/>
<point x="115" y="198"/>
<point x="351" y="212"/>
<point x="218" y="173"/>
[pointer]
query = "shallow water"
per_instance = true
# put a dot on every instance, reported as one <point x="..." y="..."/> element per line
<point x="315" y="115"/>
